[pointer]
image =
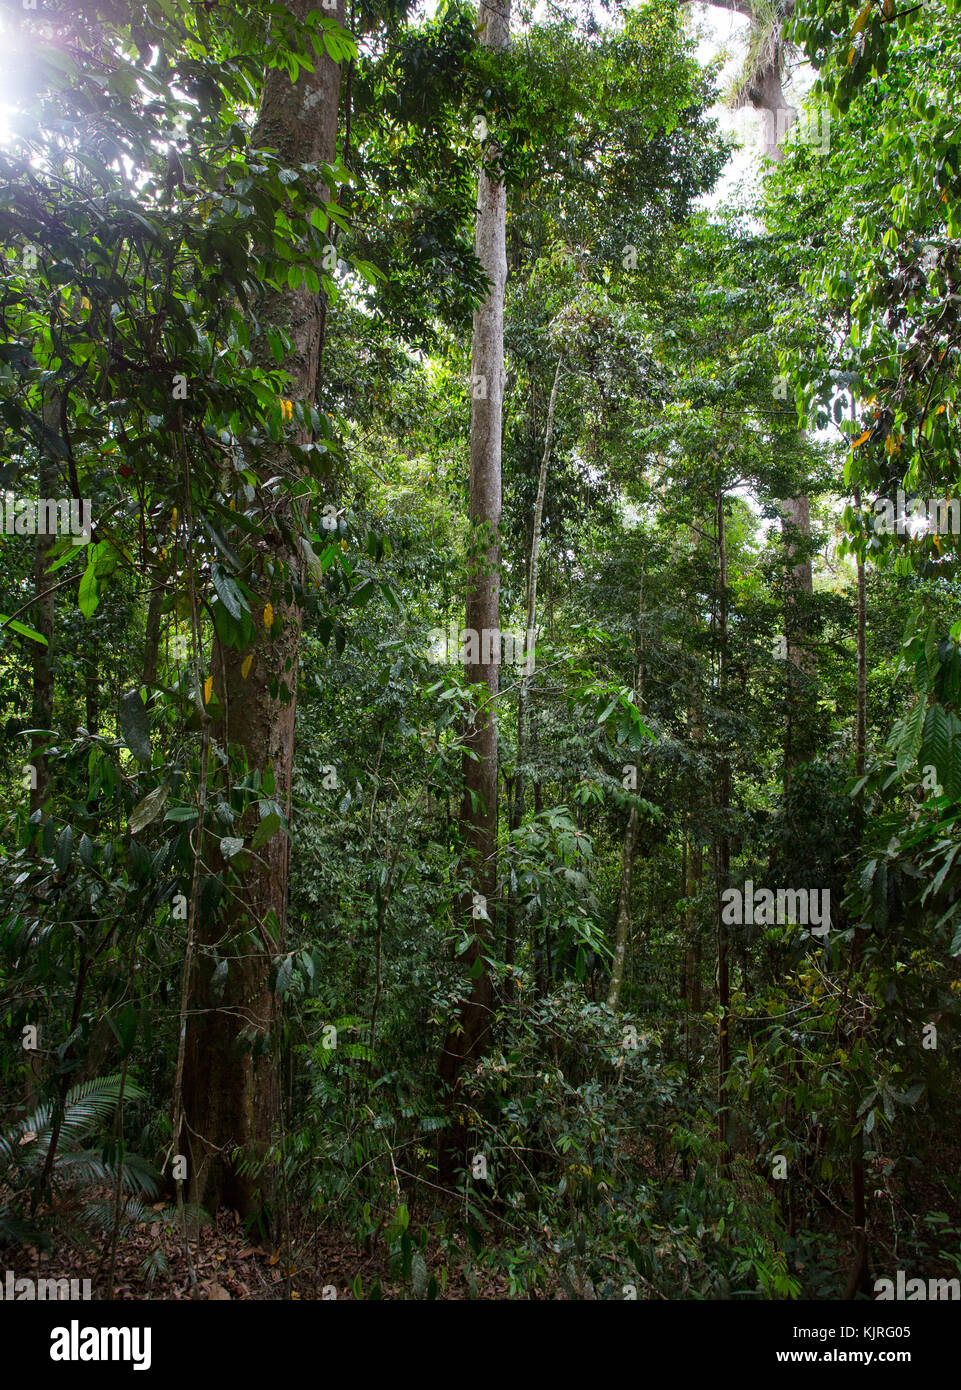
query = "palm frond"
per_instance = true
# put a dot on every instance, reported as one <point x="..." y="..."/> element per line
<point x="88" y="1105"/>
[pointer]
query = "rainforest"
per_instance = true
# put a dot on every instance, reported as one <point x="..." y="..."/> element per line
<point x="480" y="653"/>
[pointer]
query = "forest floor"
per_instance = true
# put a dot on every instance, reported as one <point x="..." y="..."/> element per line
<point x="224" y="1262"/>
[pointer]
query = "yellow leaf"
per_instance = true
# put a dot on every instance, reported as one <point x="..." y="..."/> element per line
<point x="85" y="302"/>
<point x="275" y="1258"/>
<point x="268" y="616"/>
<point x="861" y="438"/>
<point x="851" y="57"/>
<point x="862" y="19"/>
<point x="174" y="517"/>
<point x="343" y="545"/>
<point x="940" y="410"/>
<point x="248" y="662"/>
<point x="208" y="688"/>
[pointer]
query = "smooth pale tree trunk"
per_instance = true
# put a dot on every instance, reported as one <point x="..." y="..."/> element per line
<point x="858" y="1274"/>
<point x="622" y="929"/>
<point x="469" y="1031"/>
<point x="861" y="717"/>
<point x="43" y="619"/>
<point x="860" y="742"/>
<point x="231" y="1083"/>
<point x="518" y="798"/>
<point x="523" y="691"/>
<point x="691" y="967"/>
<point x="723" y="865"/>
<point x="766" y="93"/>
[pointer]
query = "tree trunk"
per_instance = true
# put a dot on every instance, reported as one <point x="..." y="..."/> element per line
<point x="723" y="864"/>
<point x="530" y="626"/>
<point x="231" y="1085"/>
<point x="622" y="930"/>
<point x="861" y="718"/>
<point x="468" y="1034"/>
<point x="691" y="970"/>
<point x="151" y="646"/>
<point x="766" y="92"/>
<point x="43" y="616"/>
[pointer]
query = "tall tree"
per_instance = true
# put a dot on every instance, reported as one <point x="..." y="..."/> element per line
<point x="44" y="620"/>
<point x="478" y="816"/>
<point x="231" y="1087"/>
<point x="761" y="82"/>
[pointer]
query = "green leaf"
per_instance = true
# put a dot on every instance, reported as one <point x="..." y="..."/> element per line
<point x="418" y="1274"/>
<point x="88" y="595"/>
<point x="15" y="626"/>
<point x="134" y="726"/>
<point x="266" y="830"/>
<point x="941" y="729"/>
<point x="228" y="592"/>
<point x="148" y="809"/>
<point x="910" y="740"/>
<point x="64" y="851"/>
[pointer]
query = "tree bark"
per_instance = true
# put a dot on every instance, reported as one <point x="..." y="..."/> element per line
<point x="523" y="691"/>
<point x="151" y="646"/>
<point x="623" y="927"/>
<point x="723" y="864"/>
<point x="468" y="1034"/>
<point x="231" y="1085"/>
<point x="622" y="930"/>
<point x="861" y="718"/>
<point x="766" y="93"/>
<point x="44" y="621"/>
